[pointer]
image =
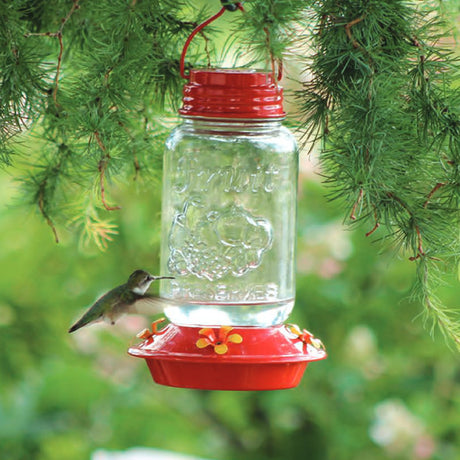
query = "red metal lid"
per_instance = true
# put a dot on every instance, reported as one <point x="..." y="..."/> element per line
<point x="229" y="358"/>
<point x="232" y="94"/>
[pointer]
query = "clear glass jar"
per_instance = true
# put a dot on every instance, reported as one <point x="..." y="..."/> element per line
<point x="228" y="222"/>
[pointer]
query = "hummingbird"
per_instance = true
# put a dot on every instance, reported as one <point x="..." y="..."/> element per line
<point x="125" y="298"/>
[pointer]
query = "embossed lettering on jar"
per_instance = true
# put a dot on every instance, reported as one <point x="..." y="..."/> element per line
<point x="228" y="222"/>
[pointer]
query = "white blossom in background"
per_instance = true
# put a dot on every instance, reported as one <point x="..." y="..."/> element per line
<point x="361" y="352"/>
<point x="140" y="453"/>
<point x="323" y="249"/>
<point x="400" y="432"/>
<point x="309" y="164"/>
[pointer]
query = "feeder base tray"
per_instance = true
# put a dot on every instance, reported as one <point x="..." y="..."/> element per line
<point x="226" y="358"/>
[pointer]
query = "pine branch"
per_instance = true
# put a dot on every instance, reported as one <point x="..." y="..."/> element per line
<point x="45" y="184"/>
<point x="58" y="35"/>
<point x="22" y="80"/>
<point x="115" y="69"/>
<point x="41" y="206"/>
<point x="382" y="102"/>
<point x="435" y="312"/>
<point x="92" y="228"/>
<point x="102" y="167"/>
<point x="269" y="28"/>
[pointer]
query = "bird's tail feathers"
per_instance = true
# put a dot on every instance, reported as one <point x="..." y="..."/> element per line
<point x="75" y="327"/>
<point x="83" y="321"/>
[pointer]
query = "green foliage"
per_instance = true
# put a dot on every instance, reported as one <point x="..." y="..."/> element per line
<point x="87" y="91"/>
<point x="383" y="102"/>
<point x="64" y="396"/>
<point x="97" y="111"/>
<point x="269" y="29"/>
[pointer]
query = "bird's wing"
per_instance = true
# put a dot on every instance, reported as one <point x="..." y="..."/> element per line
<point x="148" y="304"/>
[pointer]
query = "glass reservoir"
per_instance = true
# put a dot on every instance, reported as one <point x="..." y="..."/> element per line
<point x="229" y="204"/>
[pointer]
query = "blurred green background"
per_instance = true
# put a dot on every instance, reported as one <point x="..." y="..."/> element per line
<point x="387" y="389"/>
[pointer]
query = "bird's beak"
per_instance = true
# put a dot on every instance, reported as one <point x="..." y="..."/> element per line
<point x="155" y="278"/>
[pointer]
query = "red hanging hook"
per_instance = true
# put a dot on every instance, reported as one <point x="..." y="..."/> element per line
<point x="227" y="6"/>
<point x="230" y="6"/>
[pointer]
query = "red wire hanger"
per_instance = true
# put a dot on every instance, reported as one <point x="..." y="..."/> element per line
<point x="230" y="6"/>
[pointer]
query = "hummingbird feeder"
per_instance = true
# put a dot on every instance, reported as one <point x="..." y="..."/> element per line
<point x="228" y="238"/>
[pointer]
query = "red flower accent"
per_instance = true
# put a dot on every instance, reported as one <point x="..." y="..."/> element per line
<point x="219" y="342"/>
<point x="307" y="338"/>
<point x="146" y="333"/>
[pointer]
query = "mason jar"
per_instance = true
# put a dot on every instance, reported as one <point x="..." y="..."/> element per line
<point x="229" y="203"/>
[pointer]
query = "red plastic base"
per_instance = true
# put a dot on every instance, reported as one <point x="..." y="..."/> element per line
<point x="226" y="376"/>
<point x="240" y="358"/>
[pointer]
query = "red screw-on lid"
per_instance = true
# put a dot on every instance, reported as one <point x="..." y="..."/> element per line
<point x="232" y="93"/>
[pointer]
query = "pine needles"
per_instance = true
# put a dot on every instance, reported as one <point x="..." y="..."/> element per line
<point x="90" y="79"/>
<point x="383" y="104"/>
